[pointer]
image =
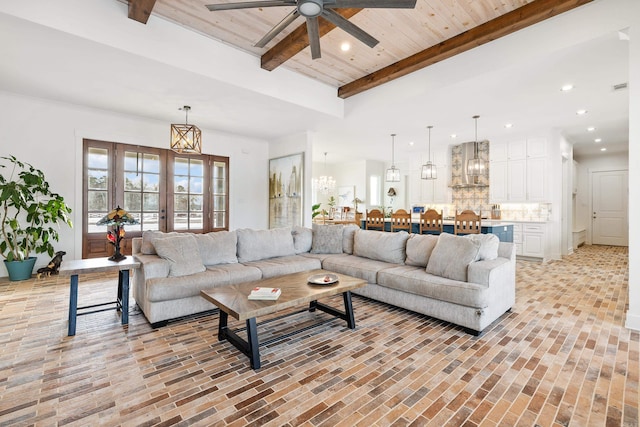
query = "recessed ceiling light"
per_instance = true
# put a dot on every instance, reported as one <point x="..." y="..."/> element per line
<point x="411" y="143"/>
<point x="566" y="88"/>
<point x="508" y="125"/>
<point x="581" y="112"/>
<point x="454" y="136"/>
<point x="603" y="149"/>
<point x="591" y="129"/>
<point x="345" y="46"/>
<point x="598" y="140"/>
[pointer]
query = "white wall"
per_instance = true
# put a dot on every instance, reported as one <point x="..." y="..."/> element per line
<point x="49" y="135"/>
<point x="633" y="314"/>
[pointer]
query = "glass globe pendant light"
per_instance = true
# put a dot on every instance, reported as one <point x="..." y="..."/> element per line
<point x="429" y="170"/>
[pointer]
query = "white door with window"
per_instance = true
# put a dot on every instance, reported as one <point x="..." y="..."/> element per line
<point x="609" y="195"/>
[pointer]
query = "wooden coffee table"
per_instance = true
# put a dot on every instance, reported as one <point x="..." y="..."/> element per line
<point x="232" y="300"/>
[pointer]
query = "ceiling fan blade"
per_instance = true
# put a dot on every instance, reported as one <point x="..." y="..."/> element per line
<point x="379" y="4"/>
<point x="349" y="27"/>
<point x="250" y="4"/>
<point x="276" y="30"/>
<point x="314" y="37"/>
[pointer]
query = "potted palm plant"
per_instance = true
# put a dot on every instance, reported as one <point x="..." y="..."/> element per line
<point x="29" y="215"/>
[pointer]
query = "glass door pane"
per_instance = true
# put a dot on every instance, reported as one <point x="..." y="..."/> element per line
<point x="98" y="196"/>
<point x="188" y="190"/>
<point x="142" y="189"/>
<point x="220" y="190"/>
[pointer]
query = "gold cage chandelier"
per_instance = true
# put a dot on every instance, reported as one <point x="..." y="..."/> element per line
<point x="186" y="138"/>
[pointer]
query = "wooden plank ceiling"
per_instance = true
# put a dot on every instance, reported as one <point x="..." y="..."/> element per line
<point x="410" y="39"/>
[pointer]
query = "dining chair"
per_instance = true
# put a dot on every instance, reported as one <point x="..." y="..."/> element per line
<point x="320" y="219"/>
<point x="431" y="222"/>
<point x="467" y="222"/>
<point x="401" y="220"/>
<point x="374" y="220"/>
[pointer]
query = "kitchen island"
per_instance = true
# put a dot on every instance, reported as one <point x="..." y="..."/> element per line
<point x="502" y="229"/>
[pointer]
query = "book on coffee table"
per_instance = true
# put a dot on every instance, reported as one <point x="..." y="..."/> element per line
<point x="259" y="293"/>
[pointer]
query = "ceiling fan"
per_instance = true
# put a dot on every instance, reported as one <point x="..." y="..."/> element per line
<point x="311" y="9"/>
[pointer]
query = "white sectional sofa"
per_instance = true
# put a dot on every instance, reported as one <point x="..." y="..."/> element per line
<point x="468" y="281"/>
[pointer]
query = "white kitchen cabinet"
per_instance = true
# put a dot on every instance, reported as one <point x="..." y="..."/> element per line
<point x="536" y="147"/>
<point x="517" y="180"/>
<point x="517" y="237"/>
<point x="536" y="180"/>
<point x="517" y="149"/>
<point x="534" y="239"/>
<point x="498" y="179"/>
<point x="521" y="177"/>
<point x="530" y="239"/>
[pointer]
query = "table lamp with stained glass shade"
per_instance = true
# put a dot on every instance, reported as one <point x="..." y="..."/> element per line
<point x="117" y="218"/>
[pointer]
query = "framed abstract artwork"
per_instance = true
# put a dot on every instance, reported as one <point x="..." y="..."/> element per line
<point x="286" y="187"/>
<point x="346" y="195"/>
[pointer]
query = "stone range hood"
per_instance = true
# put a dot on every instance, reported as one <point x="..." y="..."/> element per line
<point x="459" y="156"/>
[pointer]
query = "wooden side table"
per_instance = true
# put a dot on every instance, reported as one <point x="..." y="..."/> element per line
<point x="97" y="265"/>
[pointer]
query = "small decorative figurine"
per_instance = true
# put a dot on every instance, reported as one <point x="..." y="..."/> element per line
<point x="53" y="266"/>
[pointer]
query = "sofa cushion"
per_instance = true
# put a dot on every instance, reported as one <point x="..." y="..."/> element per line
<point x="171" y="288"/>
<point x="182" y="253"/>
<point x="352" y="265"/>
<point x="451" y="256"/>
<point x="416" y="281"/>
<point x="381" y="246"/>
<point x="327" y="239"/>
<point x="255" y="245"/>
<point x="348" y="233"/>
<point x="280" y="266"/>
<point x="217" y="247"/>
<point x="488" y="245"/>
<point x="419" y="248"/>
<point x="302" y="238"/>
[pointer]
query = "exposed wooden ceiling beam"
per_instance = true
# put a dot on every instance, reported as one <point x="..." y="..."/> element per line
<point x="140" y="10"/>
<point x="522" y="17"/>
<point x="296" y="41"/>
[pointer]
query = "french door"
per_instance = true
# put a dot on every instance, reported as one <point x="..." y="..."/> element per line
<point x="163" y="190"/>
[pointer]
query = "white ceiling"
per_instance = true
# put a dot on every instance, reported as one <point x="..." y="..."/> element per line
<point x="43" y="62"/>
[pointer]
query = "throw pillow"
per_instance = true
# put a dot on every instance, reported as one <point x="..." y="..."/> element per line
<point x="451" y="256"/>
<point x="218" y="247"/>
<point x="302" y="238"/>
<point x="254" y="245"/>
<point x="148" y="237"/>
<point x="419" y="249"/>
<point x="327" y="239"/>
<point x="348" y="233"/>
<point x="182" y="253"/>
<point x="489" y="244"/>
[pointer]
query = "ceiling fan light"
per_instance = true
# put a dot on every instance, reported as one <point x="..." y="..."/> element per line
<point x="310" y="8"/>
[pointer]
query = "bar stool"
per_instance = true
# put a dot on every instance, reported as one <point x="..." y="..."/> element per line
<point x="467" y="222"/>
<point x="431" y="222"/>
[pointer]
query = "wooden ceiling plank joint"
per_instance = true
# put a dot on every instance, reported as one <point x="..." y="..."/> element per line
<point x="140" y="10"/>
<point x="522" y="17"/>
